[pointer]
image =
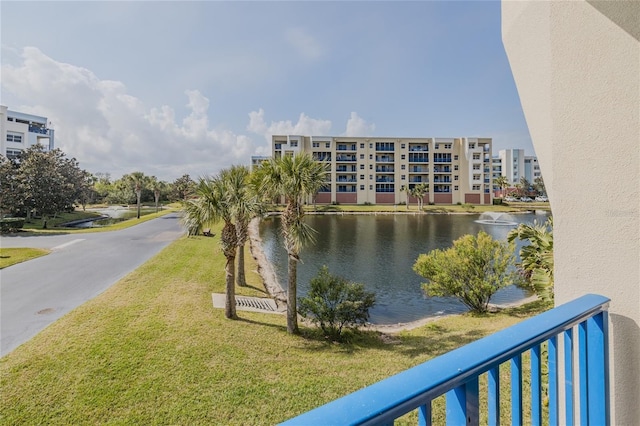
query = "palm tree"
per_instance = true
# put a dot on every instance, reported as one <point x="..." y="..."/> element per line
<point x="295" y="178"/>
<point x="157" y="187"/>
<point x="419" y="192"/>
<point x="212" y="206"/>
<point x="409" y="192"/>
<point x="502" y="182"/>
<point x="536" y="259"/>
<point x="137" y="181"/>
<point x="245" y="205"/>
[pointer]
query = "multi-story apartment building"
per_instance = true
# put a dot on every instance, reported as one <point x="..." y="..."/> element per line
<point x="19" y="131"/>
<point x="515" y="165"/>
<point x="378" y="170"/>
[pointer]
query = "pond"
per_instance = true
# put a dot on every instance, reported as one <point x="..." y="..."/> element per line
<point x="380" y="250"/>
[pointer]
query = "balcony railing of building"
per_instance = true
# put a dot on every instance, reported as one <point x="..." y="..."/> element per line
<point x="578" y="326"/>
<point x="346" y="179"/>
<point x="419" y="179"/>
<point x="446" y="189"/>
<point x="344" y="168"/>
<point x="385" y="169"/>
<point x="418" y="169"/>
<point x="445" y="179"/>
<point x="385" y="179"/>
<point x="423" y="148"/>
<point x="346" y="148"/>
<point x="442" y="169"/>
<point x="345" y="157"/>
<point x="384" y="159"/>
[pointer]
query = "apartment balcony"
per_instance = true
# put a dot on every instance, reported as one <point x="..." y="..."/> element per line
<point x="419" y="148"/>
<point x="442" y="160"/>
<point x="442" y="169"/>
<point x="345" y="148"/>
<point x="345" y="157"/>
<point x="346" y="179"/>
<point x="385" y="169"/>
<point x="580" y="327"/>
<point x="418" y="169"/>
<point x="385" y="179"/>
<point x="384" y="159"/>
<point x="418" y="179"/>
<point x="344" y="168"/>
<point x="445" y="179"/>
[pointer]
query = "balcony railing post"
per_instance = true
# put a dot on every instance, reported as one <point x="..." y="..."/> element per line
<point x="597" y="369"/>
<point x="493" y="397"/>
<point x="516" y="390"/>
<point x="568" y="376"/>
<point x="582" y="366"/>
<point x="462" y="404"/>
<point x="552" y="362"/>
<point x="536" y="386"/>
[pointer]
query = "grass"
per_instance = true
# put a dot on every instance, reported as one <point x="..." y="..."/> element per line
<point x="152" y="350"/>
<point x="11" y="256"/>
<point x="53" y="225"/>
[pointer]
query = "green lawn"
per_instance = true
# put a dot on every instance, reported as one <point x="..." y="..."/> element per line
<point x="11" y="256"/>
<point x="152" y="350"/>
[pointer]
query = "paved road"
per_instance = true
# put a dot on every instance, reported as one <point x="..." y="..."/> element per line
<point x="34" y="294"/>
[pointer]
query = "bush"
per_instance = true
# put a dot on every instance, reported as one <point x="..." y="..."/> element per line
<point x="11" y="224"/>
<point x="497" y="201"/>
<point x="335" y="303"/>
<point x="471" y="271"/>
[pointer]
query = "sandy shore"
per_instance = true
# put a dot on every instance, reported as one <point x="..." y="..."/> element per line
<point x="273" y="287"/>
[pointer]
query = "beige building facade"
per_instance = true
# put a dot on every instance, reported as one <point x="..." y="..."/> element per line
<point x="374" y="170"/>
<point x="577" y="69"/>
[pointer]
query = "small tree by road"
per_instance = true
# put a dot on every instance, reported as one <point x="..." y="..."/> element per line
<point x="472" y="270"/>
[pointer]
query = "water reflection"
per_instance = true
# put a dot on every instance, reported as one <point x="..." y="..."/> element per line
<point x="379" y="251"/>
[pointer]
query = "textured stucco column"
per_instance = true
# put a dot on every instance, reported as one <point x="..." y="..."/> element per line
<point x="576" y="65"/>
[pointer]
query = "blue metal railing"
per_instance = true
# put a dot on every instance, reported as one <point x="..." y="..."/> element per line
<point x="456" y="375"/>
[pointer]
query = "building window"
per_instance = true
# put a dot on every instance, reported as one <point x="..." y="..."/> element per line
<point x="316" y="144"/>
<point x="14" y="137"/>
<point x="370" y="156"/>
<point x="361" y="187"/>
<point x="455" y="167"/>
<point x="402" y="157"/>
<point x="402" y="177"/>
<point x="455" y="188"/>
<point x="455" y="177"/>
<point x="476" y="156"/>
<point x="476" y="177"/>
<point x="370" y="145"/>
<point x="361" y="166"/>
<point x="362" y="147"/>
<point x="361" y="177"/>
<point x="362" y="156"/>
<point x="447" y="146"/>
<point x="370" y="166"/>
<point x="437" y="146"/>
<point x="370" y="187"/>
<point x="328" y="145"/>
<point x="455" y="158"/>
<point x="476" y="167"/>
<point x="13" y="153"/>
<point x="472" y="146"/>
<point x="293" y="143"/>
<point x="370" y="177"/>
<point x="402" y="146"/>
<point x="476" y="187"/>
<point x="278" y="146"/>
<point x="402" y="166"/>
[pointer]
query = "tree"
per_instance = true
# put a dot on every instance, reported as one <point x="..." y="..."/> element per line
<point x="137" y="181"/>
<point x="212" y="206"/>
<point x="295" y="178"/>
<point x="471" y="271"/>
<point x="419" y="192"/>
<point x="47" y="181"/>
<point x="536" y="259"/>
<point x="182" y="188"/>
<point x="502" y="182"/>
<point x="11" y="200"/>
<point x="538" y="185"/>
<point x="335" y="303"/>
<point x="245" y="205"/>
<point x="526" y="185"/>
<point x="157" y="187"/>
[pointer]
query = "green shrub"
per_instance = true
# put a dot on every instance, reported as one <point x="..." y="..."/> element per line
<point x="471" y="271"/>
<point x="497" y="201"/>
<point x="11" y="224"/>
<point x="335" y="303"/>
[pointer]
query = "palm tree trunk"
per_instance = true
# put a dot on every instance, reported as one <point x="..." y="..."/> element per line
<point x="138" y="194"/>
<point x="292" y="308"/>
<point x="240" y="276"/>
<point x="230" y="290"/>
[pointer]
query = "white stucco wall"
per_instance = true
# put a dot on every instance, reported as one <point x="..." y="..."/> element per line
<point x="577" y="69"/>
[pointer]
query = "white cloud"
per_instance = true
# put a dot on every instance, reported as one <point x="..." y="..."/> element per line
<point x="108" y="130"/>
<point x="304" y="43"/>
<point x="357" y="126"/>
<point x="305" y="126"/>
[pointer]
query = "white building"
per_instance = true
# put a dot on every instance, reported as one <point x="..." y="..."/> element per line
<point x="19" y="131"/>
<point x="515" y="165"/>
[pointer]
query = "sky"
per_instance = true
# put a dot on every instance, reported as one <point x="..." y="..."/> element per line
<point x="172" y="88"/>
